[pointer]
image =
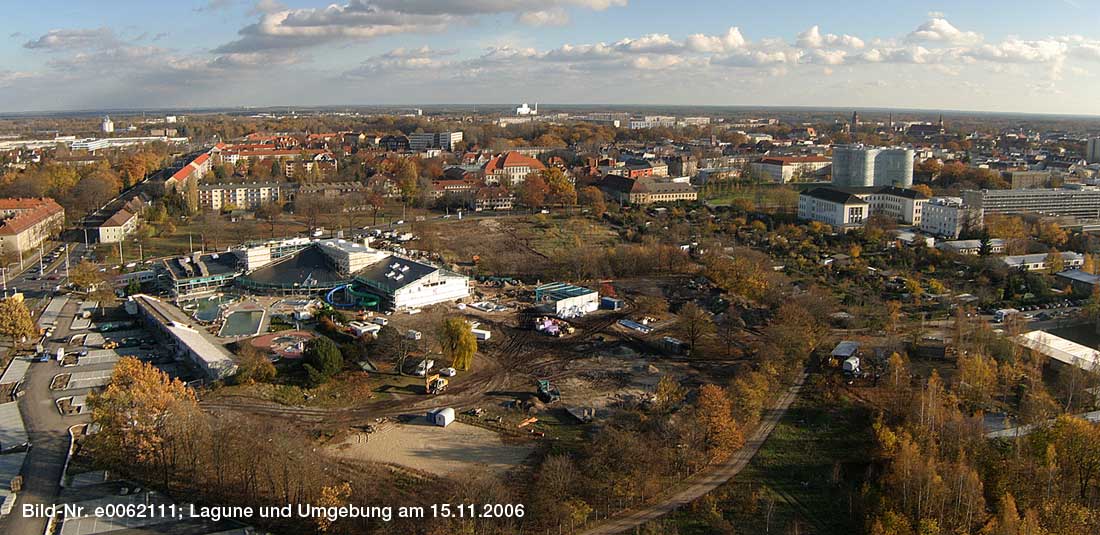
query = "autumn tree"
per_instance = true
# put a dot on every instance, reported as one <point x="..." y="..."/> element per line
<point x="1054" y="261"/>
<point x="714" y="414"/>
<point x="87" y="276"/>
<point x="271" y="211"/>
<point x="253" y="366"/>
<point x="533" y="191"/>
<point x="134" y="411"/>
<point x="923" y="189"/>
<point x="593" y="198"/>
<point x="560" y="187"/>
<point x="15" y="320"/>
<point x="457" y="341"/>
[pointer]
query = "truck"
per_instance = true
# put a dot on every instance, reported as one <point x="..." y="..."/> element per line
<point x="1003" y="314"/>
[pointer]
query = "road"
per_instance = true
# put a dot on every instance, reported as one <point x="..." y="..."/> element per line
<point x="708" y="480"/>
<point x="48" y="433"/>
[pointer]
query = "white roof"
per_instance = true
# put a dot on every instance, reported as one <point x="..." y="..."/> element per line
<point x="1060" y="349"/>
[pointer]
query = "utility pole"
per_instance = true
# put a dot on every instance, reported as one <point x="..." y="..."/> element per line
<point x="40" y="259"/>
<point x="66" y="260"/>
<point x="120" y="261"/>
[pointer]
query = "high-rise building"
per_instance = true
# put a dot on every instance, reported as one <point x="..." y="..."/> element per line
<point x="108" y="126"/>
<point x="1092" y="150"/>
<point x="862" y="166"/>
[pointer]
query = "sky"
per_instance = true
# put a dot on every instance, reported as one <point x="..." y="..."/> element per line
<point x="1005" y="56"/>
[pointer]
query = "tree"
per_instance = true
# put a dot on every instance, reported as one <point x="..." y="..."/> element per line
<point x="1054" y="261"/>
<point x="593" y="198"/>
<point x="533" y="191"/>
<point x="322" y="359"/>
<point x="693" y="323"/>
<point x="87" y="276"/>
<point x="457" y="341"/>
<point x="15" y="320"/>
<point x="1089" y="264"/>
<point x="253" y="366"/>
<point x="561" y="187"/>
<point x="923" y="189"/>
<point x="714" y="413"/>
<point x="271" y="211"/>
<point x="670" y="394"/>
<point x="376" y="203"/>
<point x="134" y="411"/>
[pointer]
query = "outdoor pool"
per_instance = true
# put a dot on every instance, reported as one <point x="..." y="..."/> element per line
<point x="242" y="323"/>
<point x="208" y="309"/>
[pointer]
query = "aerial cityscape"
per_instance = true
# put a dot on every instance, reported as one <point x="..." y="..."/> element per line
<point x="517" y="267"/>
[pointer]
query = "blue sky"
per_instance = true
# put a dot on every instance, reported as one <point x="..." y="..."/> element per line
<point x="1005" y="56"/>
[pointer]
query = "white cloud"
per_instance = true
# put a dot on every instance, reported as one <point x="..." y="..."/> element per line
<point x="546" y="17"/>
<point x="813" y="38"/>
<point x="732" y="40"/>
<point x="939" y="30"/>
<point x="73" y="39"/>
<point x="1017" y="51"/>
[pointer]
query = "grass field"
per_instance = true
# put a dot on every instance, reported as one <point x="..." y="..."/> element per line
<point x="807" y="473"/>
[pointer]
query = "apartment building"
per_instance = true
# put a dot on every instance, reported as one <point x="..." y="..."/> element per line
<point x="27" y="222"/>
<point x="949" y="217"/>
<point x="245" y="195"/>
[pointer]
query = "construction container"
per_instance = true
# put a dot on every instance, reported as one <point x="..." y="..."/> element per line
<point x="481" y="334"/>
<point x="441" y="417"/>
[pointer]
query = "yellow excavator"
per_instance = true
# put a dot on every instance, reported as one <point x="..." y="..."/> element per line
<point x="435" y="384"/>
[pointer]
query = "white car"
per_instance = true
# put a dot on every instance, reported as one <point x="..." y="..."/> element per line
<point x="448" y="372"/>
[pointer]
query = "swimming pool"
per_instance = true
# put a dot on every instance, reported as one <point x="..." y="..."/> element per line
<point x="242" y="323"/>
<point x="208" y="309"/>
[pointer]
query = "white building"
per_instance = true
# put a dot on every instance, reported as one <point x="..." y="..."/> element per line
<point x="948" y="217"/>
<point x="783" y="169"/>
<point x="349" y="256"/>
<point x="566" y="300"/>
<point x="904" y="205"/>
<point x="527" y="110"/>
<point x="408" y="284"/>
<point x="107" y="126"/>
<point x="1038" y="261"/>
<point x="833" y="207"/>
<point x="971" y="247"/>
<point x="434" y="140"/>
<point x="864" y="166"/>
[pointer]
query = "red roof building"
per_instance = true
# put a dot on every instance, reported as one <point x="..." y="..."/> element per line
<point x="510" y="168"/>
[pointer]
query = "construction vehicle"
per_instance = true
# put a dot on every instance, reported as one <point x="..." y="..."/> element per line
<point x="435" y="384"/>
<point x="546" y="392"/>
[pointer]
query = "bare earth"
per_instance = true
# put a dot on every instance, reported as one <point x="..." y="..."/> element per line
<point x="443" y="451"/>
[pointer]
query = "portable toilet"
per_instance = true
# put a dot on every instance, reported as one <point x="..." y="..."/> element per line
<point x="441" y="417"/>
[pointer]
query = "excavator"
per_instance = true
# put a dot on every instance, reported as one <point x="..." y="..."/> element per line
<point x="546" y="392"/>
<point x="435" y="384"/>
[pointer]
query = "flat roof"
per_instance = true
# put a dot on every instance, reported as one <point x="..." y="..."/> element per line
<point x="217" y="359"/>
<point x="209" y="264"/>
<point x="1060" y="349"/>
<point x="12" y="432"/>
<point x="561" y="290"/>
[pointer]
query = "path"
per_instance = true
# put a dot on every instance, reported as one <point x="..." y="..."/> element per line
<point x="708" y="480"/>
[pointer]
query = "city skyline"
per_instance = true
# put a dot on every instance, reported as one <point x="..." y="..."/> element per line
<point x="226" y="53"/>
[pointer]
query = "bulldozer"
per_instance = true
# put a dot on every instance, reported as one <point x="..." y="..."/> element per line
<point x="435" y="384"/>
<point x="546" y="392"/>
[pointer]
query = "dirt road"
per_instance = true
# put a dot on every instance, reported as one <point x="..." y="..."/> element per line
<point x="708" y="480"/>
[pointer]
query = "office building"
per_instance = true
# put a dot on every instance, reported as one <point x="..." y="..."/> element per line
<point x="439" y="140"/>
<point x="834" y="207"/>
<point x="1083" y="203"/>
<point x="862" y="166"/>
<point x="949" y="217"/>
<point x="783" y="169"/>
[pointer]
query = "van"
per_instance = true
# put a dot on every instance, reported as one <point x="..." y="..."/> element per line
<point x="424" y="367"/>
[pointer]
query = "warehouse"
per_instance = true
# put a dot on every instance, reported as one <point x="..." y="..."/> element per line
<point x="567" y="301"/>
